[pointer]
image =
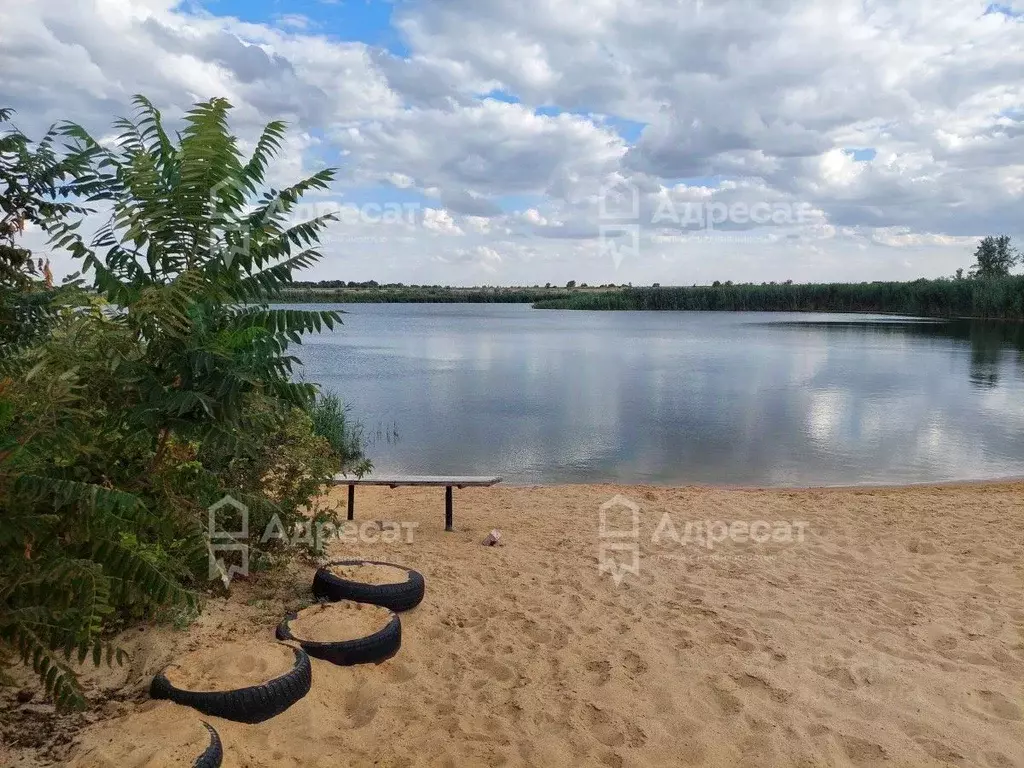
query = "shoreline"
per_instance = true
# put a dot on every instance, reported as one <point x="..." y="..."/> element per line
<point x="981" y="482"/>
<point x="907" y="316"/>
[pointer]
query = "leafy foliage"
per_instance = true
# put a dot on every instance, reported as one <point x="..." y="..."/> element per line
<point x="278" y="482"/>
<point x="32" y="178"/>
<point x="170" y="387"/>
<point x="63" y="562"/>
<point x="994" y="257"/>
<point x="193" y="260"/>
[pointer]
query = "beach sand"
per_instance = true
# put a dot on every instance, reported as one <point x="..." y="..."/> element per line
<point x="891" y="634"/>
<point x="335" y="622"/>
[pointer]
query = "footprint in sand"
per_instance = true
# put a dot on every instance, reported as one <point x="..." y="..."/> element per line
<point x="921" y="547"/>
<point x="495" y="669"/>
<point x="730" y="628"/>
<point x="941" y="752"/>
<point x="401" y="673"/>
<point x="611" y="759"/>
<point x="601" y="669"/>
<point x="862" y="752"/>
<point x="994" y="703"/>
<point x="683" y="639"/>
<point x="757" y="683"/>
<point x="726" y="702"/>
<point x="611" y="731"/>
<point x="841" y="676"/>
<point x="998" y="760"/>
<point x="478" y="683"/>
<point x="513" y="711"/>
<point x="436" y="633"/>
<point x="634" y="664"/>
<point x="537" y="633"/>
<point x="740" y="643"/>
<point x="360" y="705"/>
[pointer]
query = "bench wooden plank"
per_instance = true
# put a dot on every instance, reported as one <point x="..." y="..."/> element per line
<point x="393" y="481"/>
<point x="459" y="481"/>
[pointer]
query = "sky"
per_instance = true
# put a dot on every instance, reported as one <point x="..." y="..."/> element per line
<point x="504" y="142"/>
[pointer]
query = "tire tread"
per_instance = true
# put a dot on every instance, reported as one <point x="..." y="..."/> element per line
<point x="396" y="597"/>
<point x="253" y="704"/>
<point x="214" y="753"/>
<point x="372" y="649"/>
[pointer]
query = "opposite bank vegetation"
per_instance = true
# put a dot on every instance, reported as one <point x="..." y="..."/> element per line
<point x="999" y="298"/>
<point x="989" y="291"/>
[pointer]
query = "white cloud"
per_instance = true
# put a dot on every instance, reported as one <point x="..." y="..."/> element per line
<point x="440" y="221"/>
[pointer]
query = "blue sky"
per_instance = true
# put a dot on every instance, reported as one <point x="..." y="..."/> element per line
<point x="863" y="154"/>
<point x="367" y="21"/>
<point x="1004" y="9"/>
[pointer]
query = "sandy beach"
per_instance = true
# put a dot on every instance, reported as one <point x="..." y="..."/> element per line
<point x="875" y="627"/>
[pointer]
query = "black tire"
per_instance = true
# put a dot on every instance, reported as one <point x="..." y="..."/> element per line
<point x="214" y="753"/>
<point x="244" y="705"/>
<point x="372" y="649"/>
<point x="397" y="597"/>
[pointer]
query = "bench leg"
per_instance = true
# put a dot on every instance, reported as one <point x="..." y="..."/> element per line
<point x="351" y="502"/>
<point x="448" y="508"/>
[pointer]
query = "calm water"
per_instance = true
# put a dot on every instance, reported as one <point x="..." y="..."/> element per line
<point x="542" y="396"/>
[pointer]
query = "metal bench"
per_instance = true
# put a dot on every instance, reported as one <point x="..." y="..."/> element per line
<point x="393" y="481"/>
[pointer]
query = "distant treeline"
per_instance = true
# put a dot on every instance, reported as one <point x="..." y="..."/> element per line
<point x="996" y="298"/>
<point x="416" y="294"/>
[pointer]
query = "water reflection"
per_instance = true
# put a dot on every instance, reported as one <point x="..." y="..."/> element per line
<point x="995" y="346"/>
<point x="542" y="396"/>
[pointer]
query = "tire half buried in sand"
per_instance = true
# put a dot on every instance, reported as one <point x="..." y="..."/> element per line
<point x="176" y="742"/>
<point x="247" y="682"/>
<point x="344" y="632"/>
<point x="366" y="572"/>
<point x="369" y="581"/>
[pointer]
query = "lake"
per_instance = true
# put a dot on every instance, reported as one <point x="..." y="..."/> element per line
<point x="542" y="396"/>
